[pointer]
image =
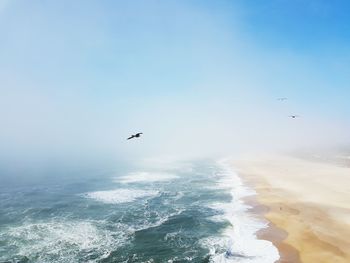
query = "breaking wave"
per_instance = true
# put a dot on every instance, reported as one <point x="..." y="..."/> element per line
<point x="120" y="195"/>
<point x="239" y="240"/>
<point x="146" y="177"/>
<point x="64" y="241"/>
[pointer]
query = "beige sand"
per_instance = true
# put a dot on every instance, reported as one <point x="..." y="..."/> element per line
<point x="307" y="199"/>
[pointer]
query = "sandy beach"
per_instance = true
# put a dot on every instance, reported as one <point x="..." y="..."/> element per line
<point x="307" y="203"/>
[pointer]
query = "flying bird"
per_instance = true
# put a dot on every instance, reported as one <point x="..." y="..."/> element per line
<point x="294" y="116"/>
<point x="282" y="99"/>
<point x="137" y="135"/>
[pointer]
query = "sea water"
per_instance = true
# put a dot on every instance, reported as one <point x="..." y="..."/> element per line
<point x="179" y="212"/>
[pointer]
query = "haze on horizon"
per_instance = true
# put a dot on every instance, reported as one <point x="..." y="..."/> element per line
<point x="198" y="78"/>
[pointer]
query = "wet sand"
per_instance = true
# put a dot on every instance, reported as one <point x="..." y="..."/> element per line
<point x="307" y="203"/>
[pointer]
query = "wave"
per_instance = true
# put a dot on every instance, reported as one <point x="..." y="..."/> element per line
<point x="64" y="241"/>
<point x="120" y="195"/>
<point x="146" y="177"/>
<point x="158" y="221"/>
<point x="240" y="240"/>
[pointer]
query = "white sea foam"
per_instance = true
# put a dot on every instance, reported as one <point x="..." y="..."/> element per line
<point x="158" y="221"/>
<point x="120" y="195"/>
<point x="146" y="177"/>
<point x="241" y="242"/>
<point x="64" y="241"/>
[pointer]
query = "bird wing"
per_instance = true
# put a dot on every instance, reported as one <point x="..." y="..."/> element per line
<point x="132" y="136"/>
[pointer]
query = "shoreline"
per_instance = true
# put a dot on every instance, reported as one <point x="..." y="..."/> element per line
<point x="244" y="243"/>
<point x="307" y="212"/>
<point x="272" y="233"/>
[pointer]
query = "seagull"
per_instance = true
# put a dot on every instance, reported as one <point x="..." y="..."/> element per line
<point x="294" y="116"/>
<point x="137" y="135"/>
<point x="282" y="99"/>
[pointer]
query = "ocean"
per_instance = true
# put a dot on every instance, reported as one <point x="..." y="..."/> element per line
<point x="173" y="212"/>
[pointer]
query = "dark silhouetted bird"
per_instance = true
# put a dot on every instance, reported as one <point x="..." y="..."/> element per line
<point x="137" y="135"/>
<point x="294" y="116"/>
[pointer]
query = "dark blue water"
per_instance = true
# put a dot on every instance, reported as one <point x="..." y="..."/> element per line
<point x="153" y="214"/>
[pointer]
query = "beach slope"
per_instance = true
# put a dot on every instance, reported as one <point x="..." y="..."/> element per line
<point x="309" y="200"/>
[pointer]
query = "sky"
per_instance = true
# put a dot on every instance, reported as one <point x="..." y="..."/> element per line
<point x="197" y="77"/>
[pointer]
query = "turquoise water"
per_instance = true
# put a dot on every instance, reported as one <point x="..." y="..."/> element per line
<point x="172" y="213"/>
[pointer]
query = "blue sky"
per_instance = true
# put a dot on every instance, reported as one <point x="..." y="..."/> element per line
<point x="301" y="25"/>
<point x="77" y="75"/>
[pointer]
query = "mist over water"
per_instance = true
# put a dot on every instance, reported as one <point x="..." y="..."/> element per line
<point x="72" y="92"/>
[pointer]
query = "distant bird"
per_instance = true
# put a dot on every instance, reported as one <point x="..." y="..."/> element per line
<point x="294" y="116"/>
<point x="282" y="99"/>
<point x="137" y="135"/>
